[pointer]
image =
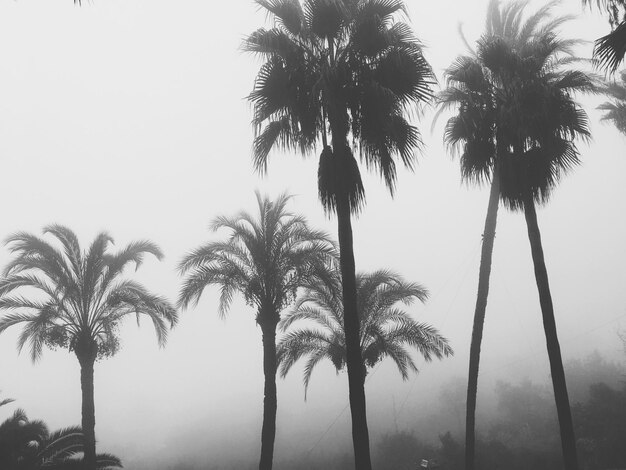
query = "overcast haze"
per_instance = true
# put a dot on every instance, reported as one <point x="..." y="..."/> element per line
<point x="130" y="116"/>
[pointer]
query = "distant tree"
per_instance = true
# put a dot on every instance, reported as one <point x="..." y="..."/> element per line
<point x="28" y="445"/>
<point x="266" y="259"/>
<point x="401" y="450"/>
<point x="76" y="300"/>
<point x="526" y="417"/>
<point x="451" y="452"/>
<point x="386" y="330"/>
<point x="347" y="73"/>
<point x="615" y="110"/>
<point x="594" y="368"/>
<point x="601" y="427"/>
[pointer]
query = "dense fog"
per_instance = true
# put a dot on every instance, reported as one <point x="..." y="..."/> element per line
<point x="130" y="116"/>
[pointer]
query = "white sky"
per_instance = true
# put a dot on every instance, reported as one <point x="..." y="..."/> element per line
<point x="130" y="116"/>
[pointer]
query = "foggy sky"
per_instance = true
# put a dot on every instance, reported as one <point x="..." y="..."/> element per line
<point x="130" y="116"/>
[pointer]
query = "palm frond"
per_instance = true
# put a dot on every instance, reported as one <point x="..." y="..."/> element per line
<point x="609" y="50"/>
<point x="314" y="328"/>
<point x="288" y="13"/>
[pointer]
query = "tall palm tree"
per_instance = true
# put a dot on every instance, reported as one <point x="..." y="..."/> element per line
<point x="546" y="122"/>
<point x="28" y="445"/>
<point x="76" y="300"/>
<point x="495" y="92"/>
<point x="266" y="259"/>
<point x="474" y="132"/>
<point x="386" y="330"/>
<point x="345" y="72"/>
<point x="615" y="110"/>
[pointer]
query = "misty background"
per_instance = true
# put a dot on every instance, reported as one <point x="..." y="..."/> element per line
<point x="130" y="116"/>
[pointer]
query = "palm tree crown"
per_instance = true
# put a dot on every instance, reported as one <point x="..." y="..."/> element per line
<point x="513" y="96"/>
<point x="265" y="259"/>
<point x="344" y="66"/>
<point x="386" y="329"/>
<point x="81" y="296"/>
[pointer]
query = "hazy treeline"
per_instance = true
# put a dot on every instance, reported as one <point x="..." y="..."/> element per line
<point x="520" y="431"/>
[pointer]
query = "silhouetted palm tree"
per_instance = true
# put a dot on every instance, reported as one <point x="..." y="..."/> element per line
<point x="610" y="49"/>
<point x="28" y="445"/>
<point x="266" y="259"/>
<point x="520" y="69"/>
<point x="385" y="329"/>
<point x="345" y="72"/>
<point x="76" y="300"/>
<point x="615" y="110"/>
<point x="474" y="130"/>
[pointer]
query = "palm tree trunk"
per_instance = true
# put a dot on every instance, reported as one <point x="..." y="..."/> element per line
<point x="354" y="363"/>
<point x="484" y="273"/>
<point x="88" y="410"/>
<point x="270" y="402"/>
<point x="568" y="440"/>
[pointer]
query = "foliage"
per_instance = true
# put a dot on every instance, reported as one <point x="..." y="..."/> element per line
<point x="76" y="299"/>
<point x="524" y="434"/>
<point x="401" y="450"/>
<point x="601" y="427"/>
<point x="615" y="110"/>
<point x="386" y="330"/>
<point x="351" y="67"/>
<point x="6" y="401"/>
<point x="28" y="445"/>
<point x="609" y="50"/>
<point x="266" y="259"/>
<point x="515" y="105"/>
<point x="527" y="418"/>
<point x="614" y="9"/>
<point x="595" y="368"/>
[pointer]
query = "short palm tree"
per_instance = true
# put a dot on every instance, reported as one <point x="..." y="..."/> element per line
<point x="28" y="445"/>
<point x="615" y="110"/>
<point x="315" y="327"/>
<point x="266" y="259"/>
<point x="345" y="72"/>
<point x="516" y="125"/>
<point x="76" y="300"/>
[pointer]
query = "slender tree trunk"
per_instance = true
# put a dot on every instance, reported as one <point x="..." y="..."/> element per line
<point x="88" y="410"/>
<point x="354" y="363"/>
<point x="479" y="319"/>
<point x="568" y="440"/>
<point x="268" y="433"/>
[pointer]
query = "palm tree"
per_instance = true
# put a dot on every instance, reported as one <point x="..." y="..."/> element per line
<point x="474" y="132"/>
<point x="496" y="90"/>
<point x="386" y="330"/>
<point x="28" y="445"/>
<point x="615" y="110"/>
<point x="343" y="72"/>
<point x="266" y="259"/>
<point x="76" y="301"/>
<point x="609" y="50"/>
